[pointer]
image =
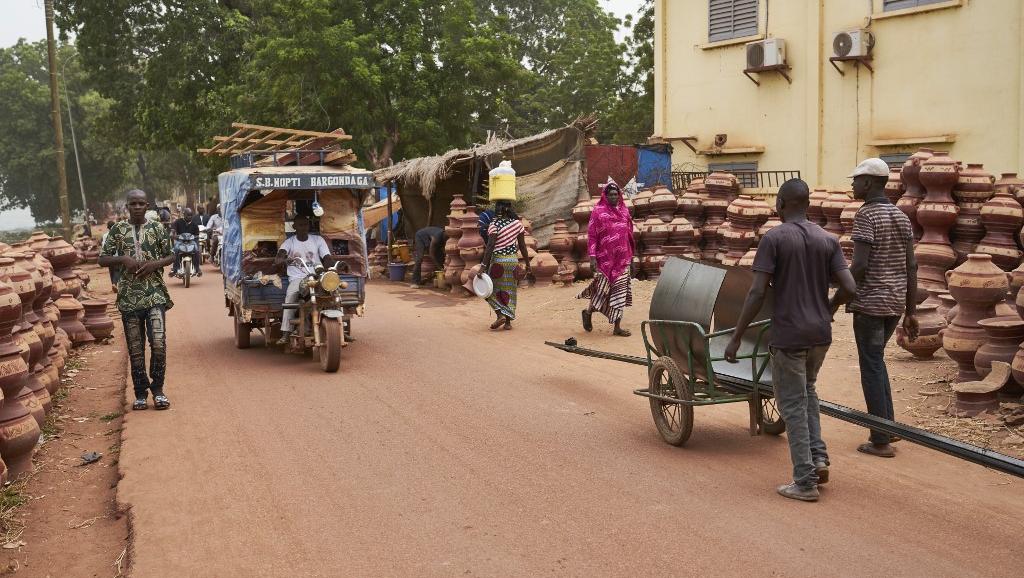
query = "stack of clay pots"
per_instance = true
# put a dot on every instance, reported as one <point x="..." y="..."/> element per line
<point x="832" y="207"/>
<point x="581" y="249"/>
<point x="561" y="247"/>
<point x="531" y="250"/>
<point x="913" y="191"/>
<point x="894" y="187"/>
<point x="722" y="189"/>
<point x="846" y="220"/>
<point x="936" y="213"/>
<point x="815" y="211"/>
<point x="379" y="260"/>
<point x="1002" y="217"/>
<point x="746" y="215"/>
<point x="973" y="189"/>
<point x="453" y="263"/>
<point x="471" y="244"/>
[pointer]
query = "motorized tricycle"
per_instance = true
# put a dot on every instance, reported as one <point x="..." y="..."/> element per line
<point x="258" y="204"/>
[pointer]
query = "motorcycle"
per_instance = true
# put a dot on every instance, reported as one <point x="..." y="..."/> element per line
<point x="186" y="245"/>
<point x="320" y="314"/>
<point x="204" y="244"/>
<point x="216" y="240"/>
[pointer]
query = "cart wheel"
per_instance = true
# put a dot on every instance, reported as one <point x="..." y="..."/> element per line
<point x="673" y="420"/>
<point x="242" y="331"/>
<point x="771" y="419"/>
<point x="330" y="344"/>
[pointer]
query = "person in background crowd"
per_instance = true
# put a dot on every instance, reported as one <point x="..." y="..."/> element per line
<point x="139" y="249"/>
<point x="302" y="246"/>
<point x="186" y="224"/>
<point x="505" y="236"/>
<point x="201" y="217"/>
<point x="611" y="249"/>
<point x="885" y="269"/>
<point x="216" y="227"/>
<point x="427" y="241"/>
<point x="799" y="259"/>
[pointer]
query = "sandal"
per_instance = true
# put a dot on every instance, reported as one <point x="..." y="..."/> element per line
<point x="873" y="450"/>
<point x="588" y="320"/>
<point x="140" y="404"/>
<point x="622" y="333"/>
<point x="161" y="402"/>
<point x="508" y="325"/>
<point x="497" y="324"/>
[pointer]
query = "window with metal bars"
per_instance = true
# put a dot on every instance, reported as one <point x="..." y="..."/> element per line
<point x="890" y="5"/>
<point x="728" y="19"/>
<point x="895" y="160"/>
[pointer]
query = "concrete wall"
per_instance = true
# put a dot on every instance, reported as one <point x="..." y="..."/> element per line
<point x="952" y="68"/>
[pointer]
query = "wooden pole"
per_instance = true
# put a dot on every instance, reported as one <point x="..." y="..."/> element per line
<point x="58" y="130"/>
<point x="391" y="223"/>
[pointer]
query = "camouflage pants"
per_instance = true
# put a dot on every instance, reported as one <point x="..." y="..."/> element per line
<point x="139" y="326"/>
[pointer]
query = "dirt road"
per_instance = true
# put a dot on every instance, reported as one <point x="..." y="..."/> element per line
<point x="444" y="449"/>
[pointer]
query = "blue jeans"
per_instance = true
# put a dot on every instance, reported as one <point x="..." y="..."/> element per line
<point x="872" y="333"/>
<point x="139" y="326"/>
<point x="794" y="374"/>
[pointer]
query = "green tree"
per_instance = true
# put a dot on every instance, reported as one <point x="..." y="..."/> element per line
<point x="632" y="118"/>
<point x="27" y="175"/>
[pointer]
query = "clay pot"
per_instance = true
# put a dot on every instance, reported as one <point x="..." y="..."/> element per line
<point x="770" y="224"/>
<point x="846" y="220"/>
<point x="894" y="186"/>
<point x="947" y="306"/>
<point x="580" y="245"/>
<point x="680" y="232"/>
<point x="815" y="213"/>
<point x="584" y="270"/>
<point x="581" y="212"/>
<point x="913" y="190"/>
<point x="721" y="185"/>
<point x="1010" y="184"/>
<point x="99" y="323"/>
<point x="70" y="320"/>
<point x="654" y="232"/>
<point x="936" y="214"/>
<point x="457" y="206"/>
<point x="544" y="267"/>
<point x="71" y="283"/>
<point x="560" y="244"/>
<point x="1005" y="335"/>
<point x="833" y="207"/>
<point x="60" y="254"/>
<point x="691" y="207"/>
<point x="471" y="244"/>
<point x="651" y="261"/>
<point x="32" y="404"/>
<point x="1002" y="216"/>
<point x="930" y="325"/>
<point x="641" y="201"/>
<point x="662" y="203"/>
<point x="977" y="286"/>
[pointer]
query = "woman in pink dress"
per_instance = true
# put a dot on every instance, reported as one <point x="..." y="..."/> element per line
<point x="611" y="249"/>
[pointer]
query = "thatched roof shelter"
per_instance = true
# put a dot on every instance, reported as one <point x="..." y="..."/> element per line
<point x="551" y="177"/>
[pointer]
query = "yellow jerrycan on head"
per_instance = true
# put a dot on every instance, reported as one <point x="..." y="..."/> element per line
<point x="503" y="182"/>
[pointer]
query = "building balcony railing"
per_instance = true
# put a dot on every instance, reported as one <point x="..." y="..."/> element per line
<point x="747" y="179"/>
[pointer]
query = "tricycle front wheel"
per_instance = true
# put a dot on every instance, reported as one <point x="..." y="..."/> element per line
<point x="673" y="420"/>
<point x="330" y="344"/>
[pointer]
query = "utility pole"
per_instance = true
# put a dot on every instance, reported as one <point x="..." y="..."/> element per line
<point x="74" y="141"/>
<point x="58" y="131"/>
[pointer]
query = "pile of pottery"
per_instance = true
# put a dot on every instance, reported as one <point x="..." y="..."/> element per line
<point x="721" y="189"/>
<point x="453" y="263"/>
<point x="470" y="243"/>
<point x="561" y="247"/>
<point x="88" y="249"/>
<point x="746" y="216"/>
<point x="973" y="189"/>
<point x="40" y="320"/>
<point x="378" y="259"/>
<point x="580" y="248"/>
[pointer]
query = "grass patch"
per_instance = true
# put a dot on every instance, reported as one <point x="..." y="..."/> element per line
<point x="111" y="416"/>
<point x="74" y="362"/>
<point x="11" y="498"/>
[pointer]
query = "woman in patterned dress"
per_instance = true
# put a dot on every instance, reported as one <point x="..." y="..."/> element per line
<point x="611" y="249"/>
<point x="505" y="235"/>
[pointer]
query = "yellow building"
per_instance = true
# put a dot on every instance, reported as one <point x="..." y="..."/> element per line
<point x="940" y="74"/>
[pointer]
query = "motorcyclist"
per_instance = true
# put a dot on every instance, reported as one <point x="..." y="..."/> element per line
<point x="186" y="224"/>
<point x="215" y="228"/>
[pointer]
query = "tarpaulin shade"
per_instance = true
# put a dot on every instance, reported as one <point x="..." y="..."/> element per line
<point x="378" y="211"/>
<point x="654" y="165"/>
<point x="616" y="161"/>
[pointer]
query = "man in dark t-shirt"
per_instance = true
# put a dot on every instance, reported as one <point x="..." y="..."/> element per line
<point x="186" y="224"/>
<point x="799" y="259"/>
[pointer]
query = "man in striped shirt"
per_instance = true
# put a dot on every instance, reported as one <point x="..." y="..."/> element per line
<point x="886" y="273"/>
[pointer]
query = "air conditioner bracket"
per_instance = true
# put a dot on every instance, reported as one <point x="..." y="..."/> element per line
<point x="780" y="68"/>
<point x="865" y="60"/>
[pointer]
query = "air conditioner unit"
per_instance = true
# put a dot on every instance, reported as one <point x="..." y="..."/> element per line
<point x="768" y="52"/>
<point x="852" y="43"/>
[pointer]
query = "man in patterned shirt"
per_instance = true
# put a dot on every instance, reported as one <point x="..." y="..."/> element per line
<point x="140" y="249"/>
<point x="886" y="273"/>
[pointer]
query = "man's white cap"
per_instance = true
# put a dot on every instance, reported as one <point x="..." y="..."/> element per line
<point x="875" y="167"/>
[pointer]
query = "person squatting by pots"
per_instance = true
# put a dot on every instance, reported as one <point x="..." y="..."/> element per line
<point x="611" y="248"/>
<point x="140" y="249"/>
<point x="799" y="259"/>
<point x="428" y="241"/>
<point x="505" y="235"/>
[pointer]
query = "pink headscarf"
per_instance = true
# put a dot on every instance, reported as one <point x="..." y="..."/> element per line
<point x="610" y="235"/>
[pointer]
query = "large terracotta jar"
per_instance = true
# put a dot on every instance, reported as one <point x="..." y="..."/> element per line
<point x="977" y="285"/>
<point x="1005" y="335"/>
<point x="471" y="244"/>
<point x="973" y="189"/>
<point x="947" y="306"/>
<point x="1002" y="217"/>
<point x="833" y="207"/>
<point x="654" y="232"/>
<point x="691" y="206"/>
<point x="641" y="203"/>
<point x="929" y="338"/>
<point x="652" y="259"/>
<point x="913" y="191"/>
<point x="681" y="234"/>
<point x="722" y="185"/>
<point x="72" y="284"/>
<point x="746" y="215"/>
<point x="662" y="203"/>
<point x="27" y="285"/>
<point x="894" y="187"/>
<point x="560" y="244"/>
<point x="71" y="312"/>
<point x="96" y="319"/>
<point x="581" y="213"/>
<point x="846" y="220"/>
<point x="457" y="206"/>
<point x="544" y="267"/>
<point x="721" y="189"/>
<point x="815" y="213"/>
<point x="1011" y="184"/>
<point x="936" y="214"/>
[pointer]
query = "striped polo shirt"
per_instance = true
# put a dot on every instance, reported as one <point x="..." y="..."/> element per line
<point x="883" y="291"/>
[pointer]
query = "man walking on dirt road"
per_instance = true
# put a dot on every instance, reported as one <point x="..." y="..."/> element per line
<point x="885" y="269"/>
<point x="799" y="259"/>
<point x="140" y="249"/>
